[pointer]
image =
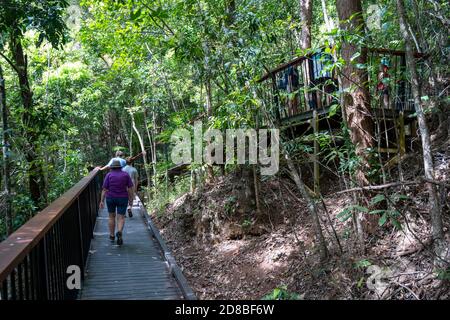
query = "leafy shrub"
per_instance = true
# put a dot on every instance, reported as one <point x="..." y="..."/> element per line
<point x="230" y="204"/>
<point x="168" y="193"/>
<point x="443" y="274"/>
<point x="23" y="209"/>
<point x="246" y="223"/>
<point x="361" y="264"/>
<point x="389" y="214"/>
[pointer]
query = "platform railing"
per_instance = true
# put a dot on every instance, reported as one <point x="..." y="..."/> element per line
<point x="306" y="83"/>
<point x="37" y="260"/>
<point x="174" y="269"/>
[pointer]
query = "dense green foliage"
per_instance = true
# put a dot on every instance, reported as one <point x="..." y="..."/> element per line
<point x="153" y="63"/>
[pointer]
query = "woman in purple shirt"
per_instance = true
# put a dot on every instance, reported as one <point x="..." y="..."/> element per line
<point x="118" y="190"/>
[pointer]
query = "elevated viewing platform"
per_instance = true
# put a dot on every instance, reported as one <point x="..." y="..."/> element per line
<point x="302" y="95"/>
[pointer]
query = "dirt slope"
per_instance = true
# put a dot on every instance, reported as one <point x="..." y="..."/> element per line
<point x="226" y="253"/>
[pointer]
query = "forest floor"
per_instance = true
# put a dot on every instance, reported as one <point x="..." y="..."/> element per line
<point x="229" y="254"/>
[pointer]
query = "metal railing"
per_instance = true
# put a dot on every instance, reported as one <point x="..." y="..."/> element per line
<point x="305" y="83"/>
<point x="34" y="260"/>
<point x="174" y="269"/>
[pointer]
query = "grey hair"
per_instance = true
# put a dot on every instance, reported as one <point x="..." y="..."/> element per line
<point x="119" y="153"/>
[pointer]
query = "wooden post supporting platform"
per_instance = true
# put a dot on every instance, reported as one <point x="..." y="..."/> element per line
<point x="316" y="152"/>
<point x="401" y="143"/>
<point x="401" y="136"/>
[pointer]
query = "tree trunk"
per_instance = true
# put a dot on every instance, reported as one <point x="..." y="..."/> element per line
<point x="306" y="10"/>
<point x="35" y="171"/>
<point x="131" y="142"/>
<point x="6" y="165"/>
<point x="256" y="186"/>
<point x="305" y="43"/>
<point x="125" y="134"/>
<point x="209" y="168"/>
<point x="152" y="142"/>
<point x="356" y="95"/>
<point x="144" y="156"/>
<point x="230" y="12"/>
<point x="256" y="178"/>
<point x="154" y="154"/>
<point x="306" y="21"/>
<point x="436" y="217"/>
<point x="328" y="21"/>
<point x="355" y="80"/>
<point x="296" y="175"/>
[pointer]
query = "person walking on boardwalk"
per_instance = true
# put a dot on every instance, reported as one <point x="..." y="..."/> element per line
<point x="119" y="157"/>
<point x="133" y="173"/>
<point x="118" y="191"/>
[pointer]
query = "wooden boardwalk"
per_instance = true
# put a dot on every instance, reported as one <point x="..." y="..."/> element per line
<point x="136" y="270"/>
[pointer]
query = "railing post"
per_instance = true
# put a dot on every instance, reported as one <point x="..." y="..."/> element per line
<point x="93" y="202"/>
<point x="27" y="280"/>
<point x="90" y="215"/>
<point x="402" y="136"/>
<point x="4" y="290"/>
<point x="315" y="125"/>
<point x="81" y="244"/>
<point x="13" y="285"/>
<point x="43" y="276"/>
<point x="33" y="273"/>
<point x="20" y="282"/>
<point x="96" y="193"/>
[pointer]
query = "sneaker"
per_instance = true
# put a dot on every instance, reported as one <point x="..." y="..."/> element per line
<point x="119" y="238"/>
<point x="112" y="238"/>
<point x="130" y="213"/>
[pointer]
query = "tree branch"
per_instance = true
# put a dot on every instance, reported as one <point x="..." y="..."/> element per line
<point x="394" y="184"/>
<point x="9" y="62"/>
<point x="157" y="24"/>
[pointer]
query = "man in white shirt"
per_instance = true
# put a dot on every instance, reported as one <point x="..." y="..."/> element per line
<point x="133" y="173"/>
<point x="119" y="157"/>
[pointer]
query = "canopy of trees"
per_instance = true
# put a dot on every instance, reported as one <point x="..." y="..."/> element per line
<point x="82" y="79"/>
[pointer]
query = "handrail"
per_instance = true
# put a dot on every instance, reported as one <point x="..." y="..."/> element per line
<point x="19" y="244"/>
<point x="300" y="59"/>
<point x="34" y="260"/>
<point x="393" y="52"/>
<point x="186" y="290"/>
<point x="283" y="66"/>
